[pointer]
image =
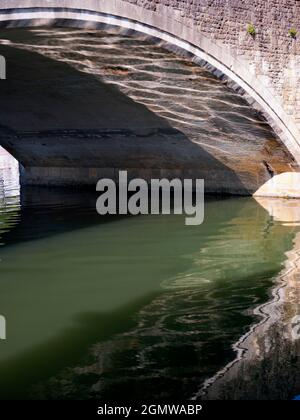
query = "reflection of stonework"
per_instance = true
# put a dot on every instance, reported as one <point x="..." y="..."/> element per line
<point x="282" y="210"/>
<point x="184" y="335"/>
<point x="268" y="357"/>
<point x="272" y="374"/>
<point x="285" y="185"/>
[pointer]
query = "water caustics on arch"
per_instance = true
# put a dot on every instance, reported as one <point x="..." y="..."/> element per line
<point x="125" y="102"/>
<point x="174" y="26"/>
<point x="184" y="295"/>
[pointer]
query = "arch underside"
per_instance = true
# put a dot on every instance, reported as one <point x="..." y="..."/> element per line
<point x="72" y="17"/>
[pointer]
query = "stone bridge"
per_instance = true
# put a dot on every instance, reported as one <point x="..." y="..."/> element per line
<point x="263" y="67"/>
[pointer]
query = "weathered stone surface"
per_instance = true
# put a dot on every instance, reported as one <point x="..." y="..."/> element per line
<point x="72" y="123"/>
<point x="272" y="53"/>
<point x="284" y="185"/>
<point x="265" y="68"/>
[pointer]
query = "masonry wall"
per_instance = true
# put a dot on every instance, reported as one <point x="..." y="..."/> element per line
<point x="272" y="53"/>
<point x="265" y="68"/>
<point x="269" y="63"/>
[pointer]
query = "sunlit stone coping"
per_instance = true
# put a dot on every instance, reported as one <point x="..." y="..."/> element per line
<point x="284" y="185"/>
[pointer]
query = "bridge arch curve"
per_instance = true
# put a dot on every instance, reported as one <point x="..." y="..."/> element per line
<point x="168" y="25"/>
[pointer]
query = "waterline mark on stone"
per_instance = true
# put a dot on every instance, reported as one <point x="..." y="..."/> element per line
<point x="159" y="196"/>
<point x="2" y="328"/>
<point x="2" y="67"/>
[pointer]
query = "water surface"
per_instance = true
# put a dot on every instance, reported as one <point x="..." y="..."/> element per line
<point x="135" y="306"/>
<point x="143" y="307"/>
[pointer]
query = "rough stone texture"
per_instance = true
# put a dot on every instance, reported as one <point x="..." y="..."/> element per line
<point x="115" y="111"/>
<point x="284" y="185"/>
<point x="272" y="53"/>
<point x="265" y="68"/>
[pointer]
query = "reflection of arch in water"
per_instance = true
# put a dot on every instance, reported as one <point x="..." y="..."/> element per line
<point x="9" y="177"/>
<point x="267" y="362"/>
<point x="185" y="323"/>
<point x="9" y="192"/>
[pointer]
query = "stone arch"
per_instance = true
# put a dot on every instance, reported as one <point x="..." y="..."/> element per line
<point x="168" y="25"/>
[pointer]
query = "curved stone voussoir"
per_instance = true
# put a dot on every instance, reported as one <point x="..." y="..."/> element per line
<point x="265" y="68"/>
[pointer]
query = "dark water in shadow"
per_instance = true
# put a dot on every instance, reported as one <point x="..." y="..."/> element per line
<point x="130" y="307"/>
